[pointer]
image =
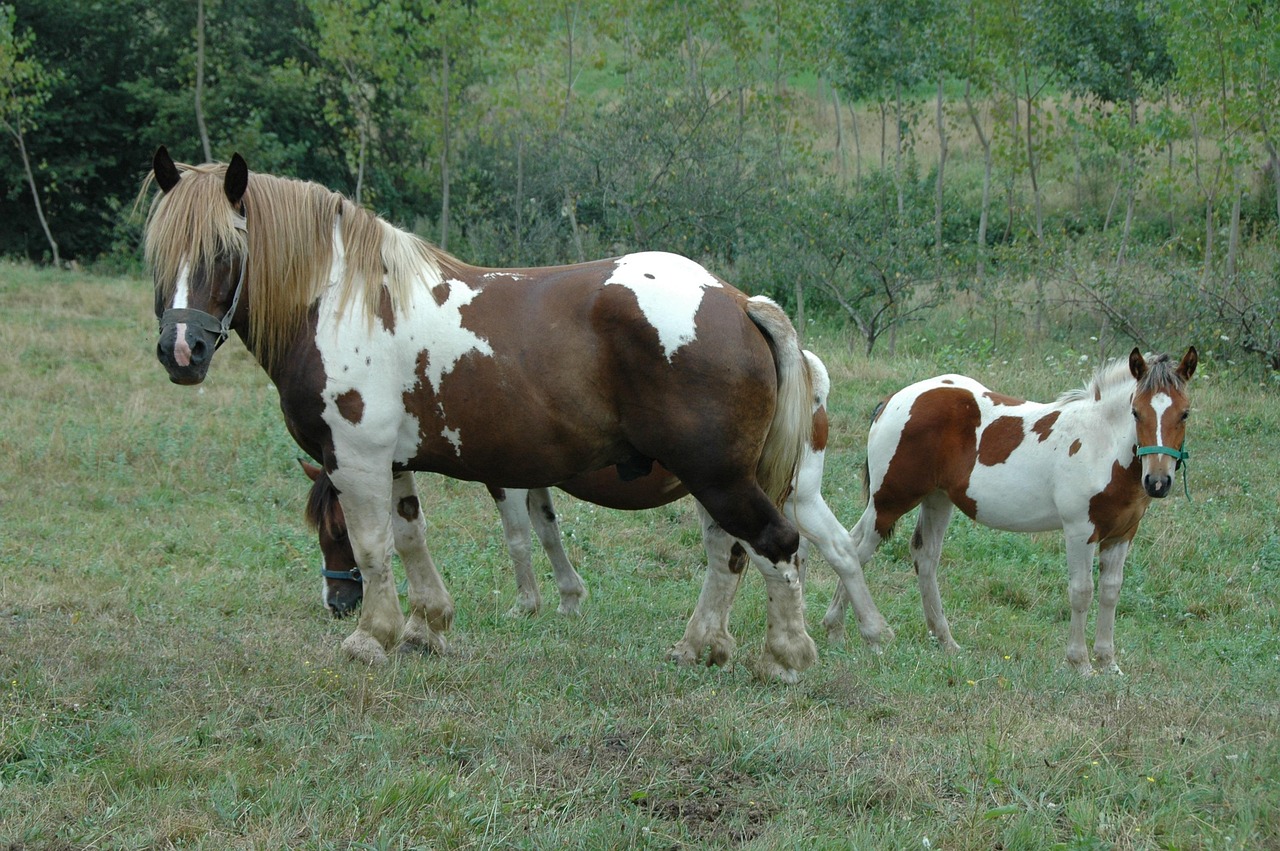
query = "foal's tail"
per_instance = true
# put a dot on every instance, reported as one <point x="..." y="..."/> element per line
<point x="792" y="426"/>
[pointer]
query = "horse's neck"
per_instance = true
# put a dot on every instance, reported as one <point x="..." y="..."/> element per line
<point x="1106" y="421"/>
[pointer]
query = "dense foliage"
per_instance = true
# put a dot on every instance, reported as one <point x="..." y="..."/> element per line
<point x="860" y="160"/>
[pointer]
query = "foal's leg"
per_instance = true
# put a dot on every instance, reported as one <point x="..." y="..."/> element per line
<point x="1111" y="556"/>
<point x="514" y="510"/>
<point x="816" y="523"/>
<point x="1080" y="591"/>
<point x="926" y="552"/>
<point x="708" y="628"/>
<point x="542" y="513"/>
<point x="366" y="503"/>
<point x="430" y="606"/>
<point x="865" y="540"/>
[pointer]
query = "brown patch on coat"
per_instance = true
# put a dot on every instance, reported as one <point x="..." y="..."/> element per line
<point x="440" y="292"/>
<point x="351" y="406"/>
<point x="1117" y="508"/>
<point x="936" y="451"/>
<point x="408" y="508"/>
<point x="737" y="558"/>
<point x="999" y="439"/>
<point x="386" y="312"/>
<point x="1044" y="425"/>
<point x="1075" y="447"/>
<point x="1002" y="399"/>
<point x="821" y="429"/>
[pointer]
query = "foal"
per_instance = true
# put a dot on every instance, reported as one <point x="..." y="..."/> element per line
<point x="1088" y="463"/>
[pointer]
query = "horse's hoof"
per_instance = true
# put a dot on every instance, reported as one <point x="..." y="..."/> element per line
<point x="520" y="611"/>
<point x="570" y="606"/>
<point x="683" y="654"/>
<point x="363" y="647"/>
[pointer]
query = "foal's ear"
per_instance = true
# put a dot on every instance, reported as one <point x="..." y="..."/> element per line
<point x="237" y="180"/>
<point x="1137" y="363"/>
<point x="167" y="175"/>
<point x="313" y="472"/>
<point x="1187" y="367"/>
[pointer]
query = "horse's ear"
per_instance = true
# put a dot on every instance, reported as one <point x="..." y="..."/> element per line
<point x="1187" y="367"/>
<point x="1137" y="363"/>
<point x="167" y="175"/>
<point x="313" y="472"/>
<point x="237" y="179"/>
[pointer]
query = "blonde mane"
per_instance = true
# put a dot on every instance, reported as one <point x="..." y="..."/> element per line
<point x="289" y="246"/>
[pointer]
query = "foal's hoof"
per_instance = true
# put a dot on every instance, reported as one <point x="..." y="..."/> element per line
<point x="417" y="636"/>
<point x="363" y="647"/>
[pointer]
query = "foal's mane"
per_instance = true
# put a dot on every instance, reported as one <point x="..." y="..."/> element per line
<point x="289" y="239"/>
<point x="1114" y="380"/>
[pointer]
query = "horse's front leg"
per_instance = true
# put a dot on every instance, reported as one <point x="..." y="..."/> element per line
<point x="1111" y="556"/>
<point x="365" y="494"/>
<point x="1080" y="593"/>
<point x="708" y="627"/>
<point x="430" y="606"/>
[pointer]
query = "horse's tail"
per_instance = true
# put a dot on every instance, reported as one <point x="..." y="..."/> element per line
<point x="792" y="426"/>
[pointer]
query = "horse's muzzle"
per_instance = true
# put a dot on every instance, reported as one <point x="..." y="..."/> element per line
<point x="185" y="357"/>
<point x="1157" y="486"/>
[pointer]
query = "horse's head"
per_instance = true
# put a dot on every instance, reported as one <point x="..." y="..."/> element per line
<point x="1160" y="407"/>
<point x="196" y="248"/>
<point x="343" y="589"/>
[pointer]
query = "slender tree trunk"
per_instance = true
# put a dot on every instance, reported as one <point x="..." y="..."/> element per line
<point x="445" y="178"/>
<point x="942" y="167"/>
<point x="857" y="148"/>
<point x="571" y="208"/>
<point x="1173" y="213"/>
<point x="835" y="111"/>
<point x="897" y="152"/>
<point x="204" y="131"/>
<point x="884" y="130"/>
<point x="1273" y="160"/>
<point x="983" y="213"/>
<point x="1233" y="235"/>
<point x="16" y="131"/>
<point x="1131" y="183"/>
<point x="1031" y="157"/>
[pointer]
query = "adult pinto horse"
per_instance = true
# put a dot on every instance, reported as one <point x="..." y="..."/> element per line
<point x="524" y="511"/>
<point x="391" y="356"/>
<point x="1089" y="464"/>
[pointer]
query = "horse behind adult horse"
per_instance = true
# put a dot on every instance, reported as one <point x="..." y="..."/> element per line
<point x="1088" y="463"/>
<point x="391" y="356"/>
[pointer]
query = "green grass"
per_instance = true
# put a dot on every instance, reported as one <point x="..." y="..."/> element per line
<point x="167" y="678"/>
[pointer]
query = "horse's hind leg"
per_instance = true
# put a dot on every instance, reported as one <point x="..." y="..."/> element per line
<point x="513" y="508"/>
<point x="926" y="552"/>
<point x="864" y="541"/>
<point x="816" y="523"/>
<point x="1111" y="556"/>
<point x="708" y="628"/>
<point x="542" y="513"/>
<point x="430" y="606"/>
<point x="772" y="543"/>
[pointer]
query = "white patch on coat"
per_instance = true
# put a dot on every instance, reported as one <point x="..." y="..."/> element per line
<point x="669" y="290"/>
<point x="381" y="365"/>
<point x="181" y="295"/>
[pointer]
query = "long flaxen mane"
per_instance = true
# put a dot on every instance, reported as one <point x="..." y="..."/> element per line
<point x="288" y="238"/>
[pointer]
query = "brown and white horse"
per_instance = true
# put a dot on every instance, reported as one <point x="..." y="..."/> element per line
<point x="1088" y="463"/>
<point x="392" y="356"/>
<point x="523" y="511"/>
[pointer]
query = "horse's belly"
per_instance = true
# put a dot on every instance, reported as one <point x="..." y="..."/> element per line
<point x="1015" y="502"/>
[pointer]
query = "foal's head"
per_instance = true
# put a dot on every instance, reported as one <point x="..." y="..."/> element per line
<point x="343" y="589"/>
<point x="1160" y="407"/>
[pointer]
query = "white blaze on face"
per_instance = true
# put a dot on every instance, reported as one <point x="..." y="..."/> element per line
<point x="669" y="290"/>
<point x="1160" y="403"/>
<point x="181" y="295"/>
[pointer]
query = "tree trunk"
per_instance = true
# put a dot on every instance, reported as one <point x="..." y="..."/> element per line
<point x="1233" y="235"/>
<point x="1031" y="157"/>
<point x="835" y="111"/>
<point x="16" y="131"/>
<point x="897" y="152"/>
<point x="204" y="131"/>
<point x="857" y="149"/>
<point x="942" y="167"/>
<point x="445" y="148"/>
<point x="985" y="141"/>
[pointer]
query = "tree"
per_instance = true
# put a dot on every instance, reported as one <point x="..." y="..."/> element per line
<point x="24" y="87"/>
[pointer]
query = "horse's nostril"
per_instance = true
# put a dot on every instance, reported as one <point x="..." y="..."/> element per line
<point x="198" y="350"/>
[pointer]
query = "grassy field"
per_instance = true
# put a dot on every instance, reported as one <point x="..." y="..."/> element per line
<point x="168" y="679"/>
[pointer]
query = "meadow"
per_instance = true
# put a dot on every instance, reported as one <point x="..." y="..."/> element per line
<point x="169" y="680"/>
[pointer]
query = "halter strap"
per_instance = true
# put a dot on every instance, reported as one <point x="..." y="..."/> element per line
<point x="207" y="321"/>
<point x="1180" y="454"/>
<point x="352" y="575"/>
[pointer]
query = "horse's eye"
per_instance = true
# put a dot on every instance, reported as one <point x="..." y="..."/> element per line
<point x="1185" y="414"/>
<point x="1134" y="411"/>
